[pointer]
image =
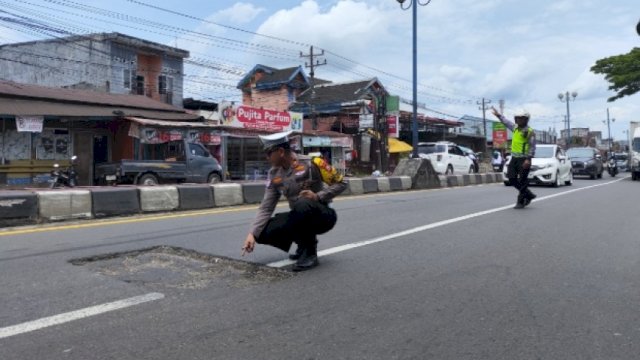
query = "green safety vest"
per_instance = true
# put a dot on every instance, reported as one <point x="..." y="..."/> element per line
<point x="520" y="141"/>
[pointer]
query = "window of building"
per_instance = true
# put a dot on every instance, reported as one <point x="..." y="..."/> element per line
<point x="139" y="85"/>
<point x="126" y="75"/>
<point x="165" y="84"/>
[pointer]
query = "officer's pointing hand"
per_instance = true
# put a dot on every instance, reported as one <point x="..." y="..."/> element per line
<point x="495" y="111"/>
<point x="249" y="244"/>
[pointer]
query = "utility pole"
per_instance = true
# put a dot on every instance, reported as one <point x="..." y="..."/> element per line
<point x="484" y="108"/>
<point x="312" y="64"/>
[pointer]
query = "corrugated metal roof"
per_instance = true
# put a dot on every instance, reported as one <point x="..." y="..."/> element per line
<point x="25" y="107"/>
<point x="16" y="90"/>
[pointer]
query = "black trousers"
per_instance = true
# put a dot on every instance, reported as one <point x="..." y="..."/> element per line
<point x="518" y="176"/>
<point x="306" y="219"/>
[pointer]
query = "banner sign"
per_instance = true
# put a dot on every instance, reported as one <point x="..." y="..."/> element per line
<point x="366" y="121"/>
<point x="393" y="126"/>
<point x="499" y="134"/>
<point x="29" y="123"/>
<point x="247" y="117"/>
<point x="150" y="135"/>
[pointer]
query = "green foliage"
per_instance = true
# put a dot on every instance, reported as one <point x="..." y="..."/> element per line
<point x="622" y="72"/>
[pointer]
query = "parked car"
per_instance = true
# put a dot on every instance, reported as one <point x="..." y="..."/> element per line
<point x="446" y="157"/>
<point x="586" y="161"/>
<point x="182" y="162"/>
<point x="550" y="166"/>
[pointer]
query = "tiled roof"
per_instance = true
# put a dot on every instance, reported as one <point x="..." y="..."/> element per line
<point x="331" y="93"/>
<point x="84" y="97"/>
<point x="273" y="77"/>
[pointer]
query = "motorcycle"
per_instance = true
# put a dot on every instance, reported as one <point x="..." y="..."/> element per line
<point x="64" y="177"/>
<point x="612" y="167"/>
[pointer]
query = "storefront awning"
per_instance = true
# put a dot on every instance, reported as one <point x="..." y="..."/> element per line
<point x="398" y="146"/>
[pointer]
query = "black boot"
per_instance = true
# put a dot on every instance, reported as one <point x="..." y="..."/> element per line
<point x="308" y="259"/>
<point x="297" y="254"/>
<point x="528" y="197"/>
<point x="300" y="249"/>
<point x="520" y="202"/>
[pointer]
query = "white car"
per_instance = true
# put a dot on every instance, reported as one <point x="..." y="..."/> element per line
<point x="550" y="166"/>
<point x="446" y="157"/>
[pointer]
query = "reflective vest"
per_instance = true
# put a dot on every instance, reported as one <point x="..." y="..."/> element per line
<point x="520" y="141"/>
<point x="329" y="174"/>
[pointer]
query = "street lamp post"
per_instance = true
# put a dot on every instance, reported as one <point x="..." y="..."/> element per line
<point x="566" y="97"/>
<point x="609" y="129"/>
<point x="414" y="119"/>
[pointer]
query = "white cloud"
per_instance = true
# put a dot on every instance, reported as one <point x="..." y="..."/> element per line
<point x="240" y="13"/>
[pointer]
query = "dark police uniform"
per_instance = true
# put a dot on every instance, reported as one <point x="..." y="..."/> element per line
<point x="307" y="217"/>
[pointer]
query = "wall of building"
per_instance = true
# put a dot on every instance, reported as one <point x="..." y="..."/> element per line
<point x="80" y="64"/>
<point x="89" y="64"/>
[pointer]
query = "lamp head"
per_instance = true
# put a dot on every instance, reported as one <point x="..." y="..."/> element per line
<point x="561" y="96"/>
<point x="401" y="1"/>
<point x="574" y="94"/>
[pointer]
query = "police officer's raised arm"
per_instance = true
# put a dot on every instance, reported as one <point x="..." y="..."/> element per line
<point x="508" y="123"/>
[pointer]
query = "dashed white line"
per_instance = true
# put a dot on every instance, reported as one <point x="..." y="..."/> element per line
<point x="77" y="314"/>
<point x="341" y="248"/>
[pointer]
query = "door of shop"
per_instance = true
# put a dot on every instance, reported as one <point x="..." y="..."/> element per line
<point x="83" y="149"/>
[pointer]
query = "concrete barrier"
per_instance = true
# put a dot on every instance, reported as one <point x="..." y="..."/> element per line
<point x="227" y="194"/>
<point x="395" y="183"/>
<point x="193" y="197"/>
<point x="383" y="184"/>
<point x="158" y="198"/>
<point x="252" y="193"/>
<point x="18" y="208"/>
<point x="64" y="204"/>
<point x="370" y="185"/>
<point x="354" y="186"/>
<point x="454" y="180"/>
<point x="115" y="201"/>
<point x="466" y="180"/>
<point x="406" y="182"/>
<point x="421" y="172"/>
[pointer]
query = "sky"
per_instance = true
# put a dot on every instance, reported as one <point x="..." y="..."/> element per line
<point x="522" y="52"/>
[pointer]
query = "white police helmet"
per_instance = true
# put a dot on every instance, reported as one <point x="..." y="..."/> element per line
<point x="522" y="113"/>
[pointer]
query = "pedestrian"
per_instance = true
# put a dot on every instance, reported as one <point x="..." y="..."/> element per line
<point x="309" y="184"/>
<point x="523" y="149"/>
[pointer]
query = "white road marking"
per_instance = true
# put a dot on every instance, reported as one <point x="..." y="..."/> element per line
<point x="341" y="248"/>
<point x="76" y="315"/>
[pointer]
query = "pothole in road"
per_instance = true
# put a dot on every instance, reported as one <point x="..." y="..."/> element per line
<point x="174" y="267"/>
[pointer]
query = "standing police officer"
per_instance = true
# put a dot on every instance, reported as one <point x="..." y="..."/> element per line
<point x="523" y="149"/>
<point x="309" y="184"/>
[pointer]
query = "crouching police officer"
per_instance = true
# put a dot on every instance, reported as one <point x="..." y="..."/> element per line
<point x="523" y="149"/>
<point x="309" y="185"/>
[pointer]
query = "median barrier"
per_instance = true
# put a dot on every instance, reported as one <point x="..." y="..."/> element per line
<point x="253" y="193"/>
<point x="395" y="183"/>
<point x="193" y="197"/>
<point x="480" y="179"/>
<point x="115" y="201"/>
<point x="354" y="186"/>
<point x="227" y="194"/>
<point x="369" y="185"/>
<point x="454" y="180"/>
<point x="158" y="198"/>
<point x="467" y="180"/>
<point x="383" y="184"/>
<point x="18" y="208"/>
<point x="64" y="204"/>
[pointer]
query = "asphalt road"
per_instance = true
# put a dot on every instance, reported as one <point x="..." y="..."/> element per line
<point x="439" y="274"/>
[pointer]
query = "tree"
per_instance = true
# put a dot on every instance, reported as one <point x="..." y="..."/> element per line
<point x="622" y="72"/>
